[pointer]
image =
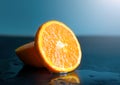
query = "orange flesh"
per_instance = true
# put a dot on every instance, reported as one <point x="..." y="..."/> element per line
<point x="58" y="47"/>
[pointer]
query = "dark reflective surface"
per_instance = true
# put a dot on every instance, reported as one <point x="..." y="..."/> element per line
<point x="99" y="66"/>
<point x="42" y="76"/>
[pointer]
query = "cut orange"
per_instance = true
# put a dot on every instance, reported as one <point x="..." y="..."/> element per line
<point x="56" y="48"/>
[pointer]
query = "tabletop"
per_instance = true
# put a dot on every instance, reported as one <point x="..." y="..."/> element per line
<point x="99" y="65"/>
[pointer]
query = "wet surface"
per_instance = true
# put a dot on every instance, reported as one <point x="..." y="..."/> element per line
<point x="99" y="66"/>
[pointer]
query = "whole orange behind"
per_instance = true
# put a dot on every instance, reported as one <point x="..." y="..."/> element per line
<point x="55" y="47"/>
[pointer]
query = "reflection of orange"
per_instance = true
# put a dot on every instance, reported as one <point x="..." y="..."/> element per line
<point x="55" y="48"/>
<point x="68" y="79"/>
<point x="42" y="76"/>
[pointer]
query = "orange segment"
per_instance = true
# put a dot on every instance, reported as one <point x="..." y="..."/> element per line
<point x="58" y="47"/>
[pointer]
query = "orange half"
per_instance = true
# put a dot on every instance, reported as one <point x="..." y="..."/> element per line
<point x="57" y="47"/>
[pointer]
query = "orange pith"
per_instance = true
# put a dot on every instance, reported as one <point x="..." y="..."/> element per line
<point x="58" y="47"/>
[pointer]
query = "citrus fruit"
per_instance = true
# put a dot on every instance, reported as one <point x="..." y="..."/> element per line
<point x="58" y="47"/>
<point x="55" y="47"/>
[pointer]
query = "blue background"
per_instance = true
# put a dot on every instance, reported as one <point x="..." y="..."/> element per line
<point x="84" y="17"/>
